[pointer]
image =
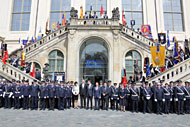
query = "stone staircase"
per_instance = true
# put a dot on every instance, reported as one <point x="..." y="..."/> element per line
<point x="44" y="43"/>
<point x="136" y="37"/>
<point x="9" y="72"/>
<point x="179" y="71"/>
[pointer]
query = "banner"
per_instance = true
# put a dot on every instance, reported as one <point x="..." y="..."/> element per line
<point x="158" y="58"/>
<point x="162" y="38"/>
<point x="145" y="30"/>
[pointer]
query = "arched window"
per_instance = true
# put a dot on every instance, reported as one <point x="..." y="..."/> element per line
<point x="173" y="15"/>
<point x="37" y="67"/>
<point x="132" y="58"/>
<point x="56" y="61"/>
<point x="133" y="11"/>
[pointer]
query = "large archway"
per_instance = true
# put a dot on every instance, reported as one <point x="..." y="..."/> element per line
<point x="93" y="60"/>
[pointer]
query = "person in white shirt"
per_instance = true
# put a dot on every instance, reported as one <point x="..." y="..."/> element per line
<point x="75" y="92"/>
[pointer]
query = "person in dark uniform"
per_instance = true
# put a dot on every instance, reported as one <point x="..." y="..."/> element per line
<point x="110" y="93"/>
<point x="38" y="74"/>
<point x="89" y="94"/>
<point x="179" y="97"/>
<point x="56" y="84"/>
<point x="7" y="94"/>
<point x="47" y="84"/>
<point x="43" y="94"/>
<point x="34" y="95"/>
<point x="27" y="67"/>
<point x="95" y="16"/>
<point x="115" y="96"/>
<point x="105" y="15"/>
<point x="86" y="16"/>
<point x="147" y="94"/>
<point x="82" y="92"/>
<point x="1" y="93"/>
<point x="51" y="95"/>
<point x="134" y="97"/>
<point x="14" y="61"/>
<point x="172" y="102"/>
<point x="159" y="98"/>
<point x="141" y="97"/>
<point x="122" y="94"/>
<point x="168" y="97"/>
<point x="97" y="96"/>
<point x="26" y="94"/>
<point x="105" y="93"/>
<point x="17" y="95"/>
<point x="187" y="97"/>
<point x="153" y="89"/>
<point x="61" y="96"/>
<point x="128" y="96"/>
<point x="68" y="95"/>
<point x="13" y="84"/>
<point x="101" y="99"/>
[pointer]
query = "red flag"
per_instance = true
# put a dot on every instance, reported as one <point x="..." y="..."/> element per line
<point x="5" y="57"/>
<point x="32" y="70"/>
<point x="124" y="79"/>
<point x="58" y="25"/>
<point x="102" y="11"/>
<point x="123" y="18"/>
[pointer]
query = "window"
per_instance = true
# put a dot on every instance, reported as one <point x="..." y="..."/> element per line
<point x="96" y="6"/>
<point x="131" y="59"/>
<point x="21" y="15"/>
<point x="133" y="11"/>
<point x="56" y="61"/>
<point x="173" y="15"/>
<point x="58" y="8"/>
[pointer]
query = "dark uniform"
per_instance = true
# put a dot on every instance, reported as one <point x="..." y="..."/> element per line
<point x="1" y="93"/>
<point x="105" y="93"/>
<point x="26" y="95"/>
<point x="82" y="92"/>
<point x="34" y="95"/>
<point x="168" y="98"/>
<point x="89" y="95"/>
<point x="179" y="96"/>
<point x="97" y="96"/>
<point x="187" y="97"/>
<point x="7" y="95"/>
<point x="115" y="97"/>
<point x="159" y="97"/>
<point x="61" y="97"/>
<point x="43" y="95"/>
<point x="128" y="97"/>
<point x="172" y="102"/>
<point x="17" y="90"/>
<point x="68" y="96"/>
<point x="147" y="94"/>
<point x="110" y="93"/>
<point x="134" y="98"/>
<point x="51" y="95"/>
<point x="122" y="94"/>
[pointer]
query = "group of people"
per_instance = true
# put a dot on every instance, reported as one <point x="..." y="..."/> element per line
<point x="156" y="98"/>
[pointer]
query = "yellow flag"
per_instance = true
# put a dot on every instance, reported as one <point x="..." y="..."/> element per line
<point x="81" y="12"/>
<point x="53" y="25"/>
<point x="23" y="56"/>
<point x="158" y="57"/>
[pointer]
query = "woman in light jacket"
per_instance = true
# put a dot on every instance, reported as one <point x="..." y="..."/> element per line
<point x="75" y="92"/>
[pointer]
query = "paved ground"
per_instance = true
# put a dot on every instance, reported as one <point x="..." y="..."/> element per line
<point x="88" y="118"/>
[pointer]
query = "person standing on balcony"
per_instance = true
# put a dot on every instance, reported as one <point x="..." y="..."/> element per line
<point x="95" y="16"/>
<point x="38" y="75"/>
<point x="86" y="16"/>
<point x="105" y="15"/>
<point x="14" y="61"/>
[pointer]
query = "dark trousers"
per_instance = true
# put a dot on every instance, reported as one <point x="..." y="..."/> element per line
<point x="111" y="102"/>
<point x="115" y="104"/>
<point x="127" y="103"/>
<point x="16" y="102"/>
<point x="42" y="103"/>
<point x="180" y="105"/>
<point x="167" y="106"/>
<point x="187" y="105"/>
<point x="51" y="103"/>
<point x="68" y="102"/>
<point x="159" y="106"/>
<point x="61" y="102"/>
<point x="34" y="100"/>
<point x="83" y="101"/>
<point x="25" y="102"/>
<point x="89" y="100"/>
<point x="97" y="103"/>
<point x="1" y="101"/>
<point x="146" y="105"/>
<point x="172" y="106"/>
<point x="101" y="102"/>
<point x="105" y="103"/>
<point x="7" y="102"/>
<point x="141" y="102"/>
<point x="135" y="105"/>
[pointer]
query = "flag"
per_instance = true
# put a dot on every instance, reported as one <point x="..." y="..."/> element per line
<point x="175" y="53"/>
<point x="168" y="40"/>
<point x="63" y="20"/>
<point x="32" y="40"/>
<point x="58" y="25"/>
<point x="81" y="12"/>
<point x="22" y="59"/>
<point x="123" y="18"/>
<point x="32" y="70"/>
<point x="158" y="47"/>
<point x="5" y="57"/>
<point x="19" y="40"/>
<point x="53" y="25"/>
<point x="47" y="24"/>
<point x="158" y="58"/>
<point x="124" y="79"/>
<point x="148" y="70"/>
<point x="162" y="38"/>
<point x="102" y="11"/>
<point x="145" y="29"/>
<point x="91" y="11"/>
<point x="39" y="34"/>
<point x="24" y="42"/>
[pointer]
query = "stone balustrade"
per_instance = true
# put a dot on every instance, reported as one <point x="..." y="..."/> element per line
<point x="94" y="22"/>
<point x="44" y="40"/>
<point x="137" y="36"/>
<point x="10" y="72"/>
<point x="175" y="73"/>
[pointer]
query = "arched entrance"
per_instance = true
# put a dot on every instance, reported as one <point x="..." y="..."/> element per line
<point x="93" y="60"/>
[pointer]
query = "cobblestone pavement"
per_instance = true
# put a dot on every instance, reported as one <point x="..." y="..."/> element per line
<point x="88" y="118"/>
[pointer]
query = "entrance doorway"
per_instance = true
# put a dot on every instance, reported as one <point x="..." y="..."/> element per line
<point x="94" y="60"/>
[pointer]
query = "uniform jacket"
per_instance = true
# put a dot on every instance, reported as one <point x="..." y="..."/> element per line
<point x="134" y="93"/>
<point x="26" y="90"/>
<point x="17" y="91"/>
<point x="105" y="90"/>
<point x="34" y="90"/>
<point x="167" y="93"/>
<point x="159" y="94"/>
<point x="43" y="91"/>
<point x="61" y="91"/>
<point x="179" y="92"/>
<point x="51" y="91"/>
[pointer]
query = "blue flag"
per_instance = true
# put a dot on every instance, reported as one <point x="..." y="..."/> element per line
<point x="158" y="47"/>
<point x="175" y="53"/>
<point x="24" y="42"/>
<point x="168" y="40"/>
<point x="19" y="40"/>
<point x="148" y="70"/>
<point x="32" y="40"/>
<point x="39" y="34"/>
